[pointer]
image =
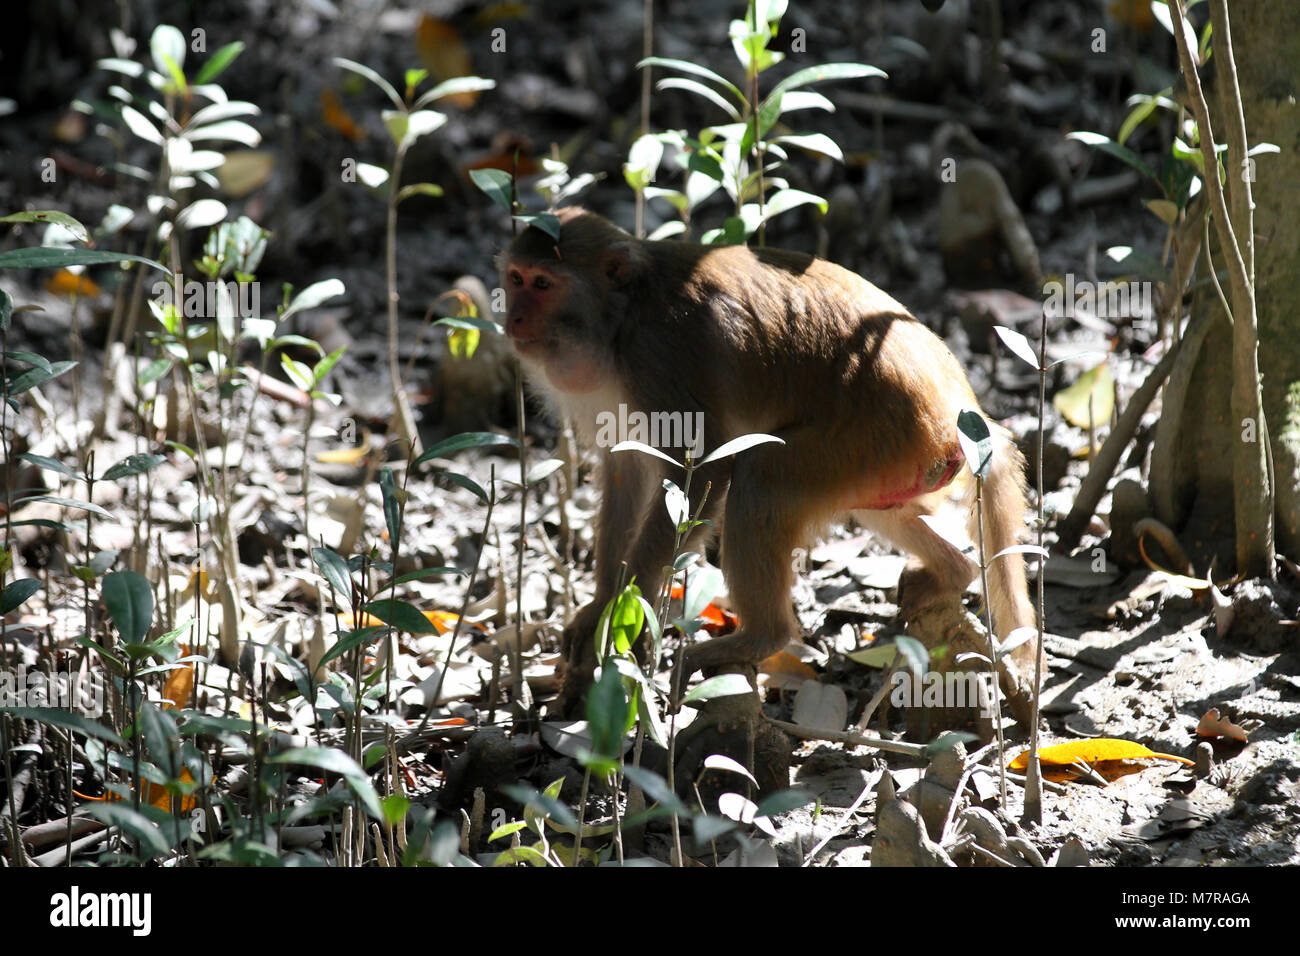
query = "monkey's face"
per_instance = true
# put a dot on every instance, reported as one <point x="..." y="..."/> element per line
<point x="545" y="320"/>
<point x="535" y="297"/>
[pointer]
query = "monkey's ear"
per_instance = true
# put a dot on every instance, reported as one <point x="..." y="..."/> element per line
<point x="622" y="261"/>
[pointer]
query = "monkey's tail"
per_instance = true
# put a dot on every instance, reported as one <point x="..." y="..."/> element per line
<point x="1004" y="521"/>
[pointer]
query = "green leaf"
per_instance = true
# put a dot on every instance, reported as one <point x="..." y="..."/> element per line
<point x="57" y="717"/>
<point x="167" y="43"/>
<point x="1018" y="344"/>
<point x="402" y="616"/>
<point x="419" y="189"/>
<point x="699" y="89"/>
<point x="495" y="183"/>
<point x="1109" y="146"/>
<point x="49" y="464"/>
<point x="462" y="441"/>
<point x="976" y="442"/>
<point x="783" y="801"/>
<point x="543" y="470"/>
<point x="467" y="483"/>
<point x="724" y="685"/>
<point x="625" y="620"/>
<point x="132" y="823"/>
<point x="33" y="377"/>
<point x="218" y="62"/>
<point x="70" y="503"/>
<point x="373" y="77"/>
<point x="30" y="358"/>
<point x="737" y="445"/>
<point x="79" y="232"/>
<point x="129" y="600"/>
<point x="392" y="507"/>
<point x="545" y="221"/>
<point x="685" y="66"/>
<point x="814" y="142"/>
<point x="133" y="465"/>
<point x="453" y="87"/>
<point x="607" y="710"/>
<point x="786" y="199"/>
<point x="335" y="570"/>
<point x="140" y="125"/>
<point x="349" y="640"/>
<point x="335" y="761"/>
<point x="655" y="787"/>
<point x="155" y="370"/>
<point x="643" y="449"/>
<point x="18" y="592"/>
<point x="395" y="806"/>
<point x="46" y="257"/>
<point x="1136" y="118"/>
<point x="827" y="71"/>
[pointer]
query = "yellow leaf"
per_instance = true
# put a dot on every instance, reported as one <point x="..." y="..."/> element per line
<point x="1104" y="754"/>
<point x="1096" y="384"/>
<point x="344" y="456"/>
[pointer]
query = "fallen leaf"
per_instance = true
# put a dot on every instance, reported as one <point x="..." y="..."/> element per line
<point x="1107" y="756"/>
<point x="1215" y="725"/>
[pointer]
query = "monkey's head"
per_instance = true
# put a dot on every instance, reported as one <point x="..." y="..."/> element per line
<point x="564" y="298"/>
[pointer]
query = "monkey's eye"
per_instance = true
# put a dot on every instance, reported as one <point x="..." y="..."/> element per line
<point x="516" y="279"/>
<point x="541" y="282"/>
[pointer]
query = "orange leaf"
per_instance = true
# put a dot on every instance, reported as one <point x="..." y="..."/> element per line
<point x="179" y="684"/>
<point x="716" y="620"/>
<point x="1213" y="724"/>
<point x="785" y="663"/>
<point x="444" y="55"/>
<point x="160" y="798"/>
<point x="68" y="283"/>
<point x="336" y="117"/>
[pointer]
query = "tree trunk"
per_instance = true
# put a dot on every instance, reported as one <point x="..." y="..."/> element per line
<point x="1192" y="484"/>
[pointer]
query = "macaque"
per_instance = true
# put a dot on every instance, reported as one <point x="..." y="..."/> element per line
<point x="863" y="395"/>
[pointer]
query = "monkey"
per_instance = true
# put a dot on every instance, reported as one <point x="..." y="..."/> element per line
<point x="864" y="397"/>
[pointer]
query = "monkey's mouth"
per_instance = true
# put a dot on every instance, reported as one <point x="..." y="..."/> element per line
<point x="527" y="346"/>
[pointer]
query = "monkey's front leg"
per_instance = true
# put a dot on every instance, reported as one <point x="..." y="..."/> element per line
<point x="633" y="527"/>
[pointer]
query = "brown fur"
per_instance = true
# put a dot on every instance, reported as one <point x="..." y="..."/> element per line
<point x="865" y="397"/>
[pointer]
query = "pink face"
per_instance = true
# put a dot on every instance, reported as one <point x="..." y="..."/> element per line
<point x="535" y="295"/>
